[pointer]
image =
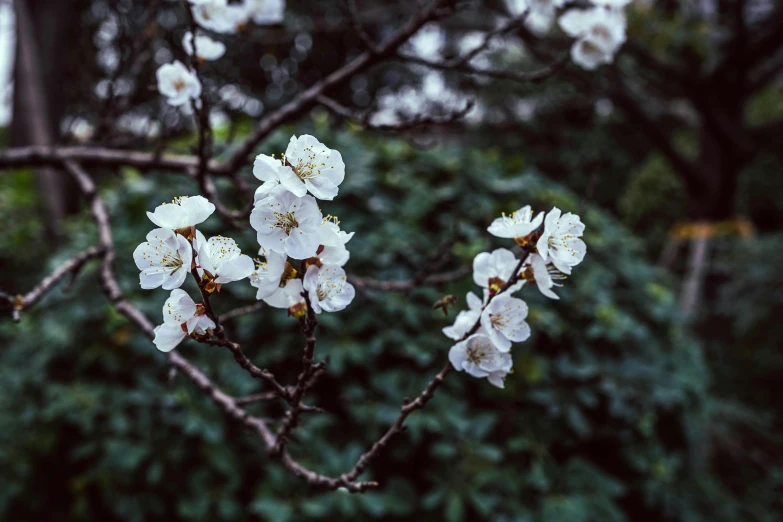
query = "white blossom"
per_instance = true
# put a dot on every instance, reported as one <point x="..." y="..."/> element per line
<point x="328" y="288"/>
<point x="215" y="15"/>
<point x="268" y="273"/>
<point x="466" y="319"/>
<point x="541" y="13"/>
<point x="182" y="212"/>
<point x="599" y="33"/>
<point x="238" y="16"/>
<point x="206" y="48"/>
<point x="560" y="241"/>
<point x="288" y="224"/>
<point x="333" y="255"/>
<point x="177" y="83"/>
<point x="477" y="356"/>
<point x="503" y="319"/>
<point x="164" y="260"/>
<point x="333" y="240"/>
<point x="265" y="12"/>
<point x="517" y="224"/>
<point x="308" y="165"/>
<point x="181" y="318"/>
<point x="491" y="271"/>
<point x="331" y="234"/>
<point x="220" y="259"/>
<point x="537" y="271"/>
<point x="265" y="168"/>
<point x="287" y="296"/>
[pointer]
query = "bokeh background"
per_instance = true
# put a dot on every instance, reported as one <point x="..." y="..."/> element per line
<point x="650" y="391"/>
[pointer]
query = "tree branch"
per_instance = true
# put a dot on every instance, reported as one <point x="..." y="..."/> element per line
<point x="687" y="169"/>
<point x="514" y="76"/>
<point x="309" y="97"/>
<point x="364" y="119"/>
<point x="426" y="395"/>
<point x="242" y="310"/>
<point x="70" y="267"/>
<point x="97" y="156"/>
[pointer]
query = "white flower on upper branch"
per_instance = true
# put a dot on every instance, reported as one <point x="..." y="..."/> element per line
<point x="560" y="241"/>
<point x="599" y="33"/>
<point x="479" y="357"/>
<point x="265" y="12"/>
<point x="308" y="165"/>
<point x="215" y="15"/>
<point x="518" y="224"/>
<point x="540" y="13"/>
<point x="288" y="224"/>
<point x="181" y="318"/>
<point x="164" y="260"/>
<point x="177" y="83"/>
<point x="182" y="212"/>
<point x="206" y="48"/>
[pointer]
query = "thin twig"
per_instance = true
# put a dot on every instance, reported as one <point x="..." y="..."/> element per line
<point x="242" y="310"/>
<point x="513" y="76"/>
<point x="363" y="119"/>
<point x="70" y="267"/>
<point x="309" y="322"/>
<point x="426" y="395"/>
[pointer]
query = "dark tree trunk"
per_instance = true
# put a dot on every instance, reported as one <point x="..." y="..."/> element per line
<point x="41" y="29"/>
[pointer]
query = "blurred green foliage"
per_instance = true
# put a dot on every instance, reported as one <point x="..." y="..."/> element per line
<point x="610" y="415"/>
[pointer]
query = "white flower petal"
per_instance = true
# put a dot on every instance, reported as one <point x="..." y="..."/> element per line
<point x="167" y="337"/>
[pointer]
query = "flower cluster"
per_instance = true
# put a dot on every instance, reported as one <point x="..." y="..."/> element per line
<point x="177" y="249"/>
<point x="598" y="29"/>
<point x="485" y="332"/>
<point x="179" y="83"/>
<point x="289" y="224"/>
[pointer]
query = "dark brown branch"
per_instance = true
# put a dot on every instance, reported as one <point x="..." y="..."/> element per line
<point x="201" y="111"/>
<point x="358" y="26"/>
<point x="257" y="397"/>
<point x="747" y="56"/>
<point x="263" y="375"/>
<point x="309" y="322"/>
<point x="364" y="119"/>
<point x="227" y="403"/>
<point x="513" y="76"/>
<point x="242" y="310"/>
<point x="70" y="267"/>
<point x="510" y="25"/>
<point x="307" y="98"/>
<point x="106" y="157"/>
<point x="429" y="391"/>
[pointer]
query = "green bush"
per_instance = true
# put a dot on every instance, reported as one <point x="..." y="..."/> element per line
<point x="601" y="421"/>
